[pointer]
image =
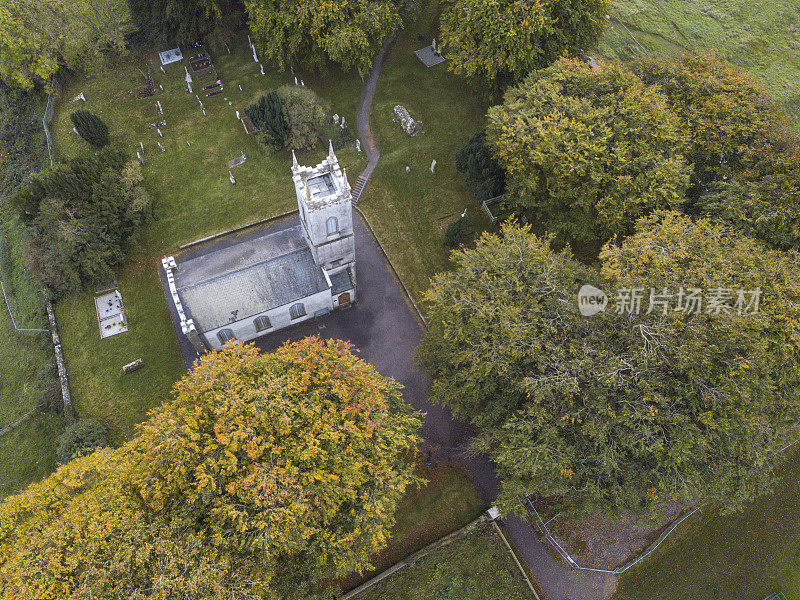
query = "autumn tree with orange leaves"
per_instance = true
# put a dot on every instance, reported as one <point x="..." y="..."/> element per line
<point x="266" y="474"/>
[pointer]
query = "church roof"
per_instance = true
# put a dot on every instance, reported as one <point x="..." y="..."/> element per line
<point x="248" y="278"/>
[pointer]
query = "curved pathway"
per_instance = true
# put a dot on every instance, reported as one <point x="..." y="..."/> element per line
<point x="444" y="436"/>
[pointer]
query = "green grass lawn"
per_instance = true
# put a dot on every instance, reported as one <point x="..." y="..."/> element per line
<point x="476" y="567"/>
<point x="762" y="36"/>
<point x="745" y="556"/>
<point x="410" y="211"/>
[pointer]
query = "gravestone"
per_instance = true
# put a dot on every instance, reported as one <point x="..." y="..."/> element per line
<point x="409" y="125"/>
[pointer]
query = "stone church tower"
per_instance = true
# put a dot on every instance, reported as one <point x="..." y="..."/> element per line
<point x="326" y="216"/>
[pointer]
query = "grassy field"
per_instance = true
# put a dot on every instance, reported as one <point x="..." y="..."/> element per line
<point x="476" y="567"/>
<point x="745" y="556"/>
<point x="27" y="378"/>
<point x="762" y="36"/>
<point x="410" y="211"/>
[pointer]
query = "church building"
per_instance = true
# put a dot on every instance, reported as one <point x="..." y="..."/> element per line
<point x="301" y="269"/>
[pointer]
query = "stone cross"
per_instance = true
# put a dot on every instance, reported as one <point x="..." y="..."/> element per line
<point x="433" y="165"/>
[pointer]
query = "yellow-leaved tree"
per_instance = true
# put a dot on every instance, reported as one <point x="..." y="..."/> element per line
<point x="266" y="474"/>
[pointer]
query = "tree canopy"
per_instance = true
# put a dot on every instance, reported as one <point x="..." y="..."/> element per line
<point x="496" y="44"/>
<point x="37" y="37"/>
<point x="82" y="215"/>
<point x="262" y="468"/>
<point x="160" y="22"/>
<point x="589" y="152"/>
<point x="309" y="33"/>
<point x="624" y="408"/>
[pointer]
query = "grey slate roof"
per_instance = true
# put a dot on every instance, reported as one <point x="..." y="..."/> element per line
<point x="341" y="282"/>
<point x="248" y="278"/>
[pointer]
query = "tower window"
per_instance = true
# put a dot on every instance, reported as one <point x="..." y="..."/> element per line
<point x="332" y="225"/>
<point x="262" y="323"/>
<point x="225" y="335"/>
<point x="297" y="310"/>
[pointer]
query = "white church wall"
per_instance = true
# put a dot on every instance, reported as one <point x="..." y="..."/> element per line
<point x="244" y="330"/>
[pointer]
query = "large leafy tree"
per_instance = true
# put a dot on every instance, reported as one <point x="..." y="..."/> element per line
<point x="165" y="22"/>
<point x="265" y="475"/>
<point x="37" y="37"/>
<point x="309" y="33"/>
<point x="497" y="43"/>
<point x="746" y="160"/>
<point x="621" y="409"/>
<point x="589" y="152"/>
<point x="82" y="215"/>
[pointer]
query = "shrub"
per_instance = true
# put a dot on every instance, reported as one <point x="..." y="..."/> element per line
<point x="306" y="115"/>
<point x="269" y="115"/>
<point x="80" y="439"/>
<point x="90" y="127"/>
<point x="458" y="232"/>
<point x="484" y="176"/>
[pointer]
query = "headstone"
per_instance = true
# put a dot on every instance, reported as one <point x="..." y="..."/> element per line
<point x="75" y="129"/>
<point x="240" y="87"/>
<point x="409" y="125"/>
<point x="408" y="169"/>
<point x="336" y="118"/>
<point x="162" y="69"/>
<point x="230" y="103"/>
<point x="160" y="110"/>
<point x="295" y="79"/>
<point x="160" y="145"/>
<point x="139" y="156"/>
<point x="188" y="75"/>
<point x="303" y="83"/>
<point x="134" y="366"/>
<point x="433" y="45"/>
<point x="238" y="118"/>
<point x="433" y="165"/>
<point x="188" y="143"/>
<point x="161" y="86"/>
<point x="342" y="123"/>
<point x="228" y="48"/>
<point x="233" y="181"/>
<point x="204" y="112"/>
<point x="262" y="69"/>
<point x="142" y="146"/>
<point x="159" y="132"/>
<point x="358" y="145"/>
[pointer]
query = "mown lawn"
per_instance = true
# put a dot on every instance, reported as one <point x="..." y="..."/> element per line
<point x="476" y="567"/>
<point x="762" y="36"/>
<point x="411" y="210"/>
<point x="744" y="556"/>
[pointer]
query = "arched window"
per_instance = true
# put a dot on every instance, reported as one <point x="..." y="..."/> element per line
<point x="332" y="225"/>
<point x="262" y="323"/>
<point x="225" y="335"/>
<point x="297" y="310"/>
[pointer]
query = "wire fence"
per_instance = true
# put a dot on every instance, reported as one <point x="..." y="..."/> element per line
<point x="47" y="118"/>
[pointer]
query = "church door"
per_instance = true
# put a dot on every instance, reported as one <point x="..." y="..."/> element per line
<point x="344" y="298"/>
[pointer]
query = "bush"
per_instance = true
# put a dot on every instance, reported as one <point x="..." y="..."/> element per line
<point x="306" y="115"/>
<point x="484" y="176"/>
<point x="80" y="439"/>
<point x="458" y="232"/>
<point x="90" y="127"/>
<point x="269" y="115"/>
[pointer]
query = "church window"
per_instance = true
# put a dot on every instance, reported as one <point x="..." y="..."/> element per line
<point x="297" y="310"/>
<point x="262" y="323"/>
<point x="225" y="335"/>
<point x="333" y="225"/>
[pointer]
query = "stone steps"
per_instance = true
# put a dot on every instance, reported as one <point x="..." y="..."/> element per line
<point x="358" y="187"/>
